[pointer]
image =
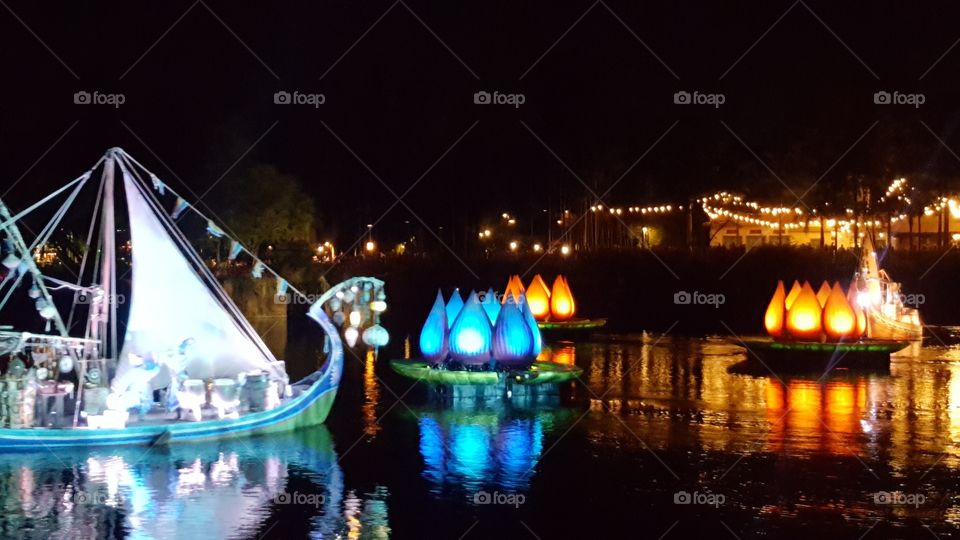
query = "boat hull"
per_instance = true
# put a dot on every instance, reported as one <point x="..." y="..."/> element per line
<point x="309" y="409"/>
<point x="881" y="327"/>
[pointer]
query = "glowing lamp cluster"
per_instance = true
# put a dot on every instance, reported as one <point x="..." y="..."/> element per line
<point x="478" y="333"/>
<point x="545" y="303"/>
<point x="805" y="315"/>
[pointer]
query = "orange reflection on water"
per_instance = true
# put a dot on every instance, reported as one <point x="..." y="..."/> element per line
<point x="371" y="393"/>
<point x="814" y="416"/>
<point x="563" y="354"/>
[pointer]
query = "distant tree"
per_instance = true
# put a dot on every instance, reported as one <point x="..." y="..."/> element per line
<point x="265" y="206"/>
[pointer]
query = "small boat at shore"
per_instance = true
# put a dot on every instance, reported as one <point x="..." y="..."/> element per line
<point x="185" y="339"/>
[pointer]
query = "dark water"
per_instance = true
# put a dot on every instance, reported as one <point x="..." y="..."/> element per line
<point x="758" y="455"/>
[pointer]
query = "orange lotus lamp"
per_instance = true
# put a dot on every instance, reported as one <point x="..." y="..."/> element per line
<point x="514" y="289"/>
<point x="839" y="318"/>
<point x="861" y="316"/>
<point x="562" y="306"/>
<point x="804" y="317"/>
<point x="538" y="298"/>
<point x="773" y="319"/>
<point x="823" y="293"/>
<point x="792" y="295"/>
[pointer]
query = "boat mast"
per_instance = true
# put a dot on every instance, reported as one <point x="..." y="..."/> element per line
<point x="27" y="257"/>
<point x="100" y="329"/>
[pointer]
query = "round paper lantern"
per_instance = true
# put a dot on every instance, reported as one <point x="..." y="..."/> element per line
<point x="454" y="305"/>
<point x="773" y="318"/>
<point x="792" y="295"/>
<point x="376" y="336"/>
<point x="34" y="291"/>
<point x="839" y="319"/>
<point x="562" y="306"/>
<point x="804" y="316"/>
<point x="512" y="340"/>
<point x="823" y="293"/>
<point x="11" y="261"/>
<point x="66" y="364"/>
<point x="339" y="318"/>
<point x="351" y="334"/>
<point x="433" y="335"/>
<point x="471" y="334"/>
<point x="538" y="298"/>
<point x="534" y="328"/>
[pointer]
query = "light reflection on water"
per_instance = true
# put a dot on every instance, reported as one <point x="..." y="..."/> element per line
<point x="232" y="489"/>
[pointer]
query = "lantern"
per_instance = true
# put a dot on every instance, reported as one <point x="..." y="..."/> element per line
<point x="773" y="318"/>
<point x="11" y="261"/>
<point x="491" y="305"/>
<point x="532" y="323"/>
<point x="538" y="298"/>
<point x="514" y="289"/>
<point x="376" y="336"/>
<point x="804" y="316"/>
<point x="839" y="319"/>
<point x="562" y="306"/>
<point x="512" y="340"/>
<point x="792" y="295"/>
<point x="351" y="334"/>
<point x="471" y="334"/>
<point x="433" y="335"/>
<point x="823" y="293"/>
<point x="454" y="305"/>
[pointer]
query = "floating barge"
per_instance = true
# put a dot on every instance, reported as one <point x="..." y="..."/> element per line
<point x="540" y="379"/>
<point x="814" y="355"/>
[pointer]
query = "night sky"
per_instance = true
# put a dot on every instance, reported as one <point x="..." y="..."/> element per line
<point x="598" y="80"/>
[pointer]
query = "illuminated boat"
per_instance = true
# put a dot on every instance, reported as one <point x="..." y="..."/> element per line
<point x="882" y="301"/>
<point x="825" y="329"/>
<point x="184" y="336"/>
<point x="555" y="308"/>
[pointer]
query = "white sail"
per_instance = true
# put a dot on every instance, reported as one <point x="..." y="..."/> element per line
<point x="170" y="303"/>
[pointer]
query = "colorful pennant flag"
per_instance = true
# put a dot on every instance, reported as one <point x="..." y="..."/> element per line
<point x="214" y="230"/>
<point x="179" y="208"/>
<point x="282" y="286"/>
<point x="158" y="184"/>
<point x="235" y="249"/>
<point x="257" y="271"/>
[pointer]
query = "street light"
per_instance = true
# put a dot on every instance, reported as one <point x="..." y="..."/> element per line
<point x="537" y="248"/>
<point x="371" y="246"/>
<point x="565" y="250"/>
<point x="514" y="245"/>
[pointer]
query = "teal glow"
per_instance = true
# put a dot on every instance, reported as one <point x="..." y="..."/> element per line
<point x="433" y="335"/>
<point x="453" y="307"/>
<point x="534" y="328"/>
<point x="512" y="336"/>
<point x="471" y="334"/>
<point x="491" y="304"/>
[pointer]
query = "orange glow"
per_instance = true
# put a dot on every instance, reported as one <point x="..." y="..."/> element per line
<point x="562" y="306"/>
<point x="773" y="319"/>
<point x="804" y="316"/>
<point x="514" y="289"/>
<point x="538" y="298"/>
<point x="792" y="295"/>
<point x="839" y="319"/>
<point x="823" y="293"/>
<point x="861" y="316"/>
